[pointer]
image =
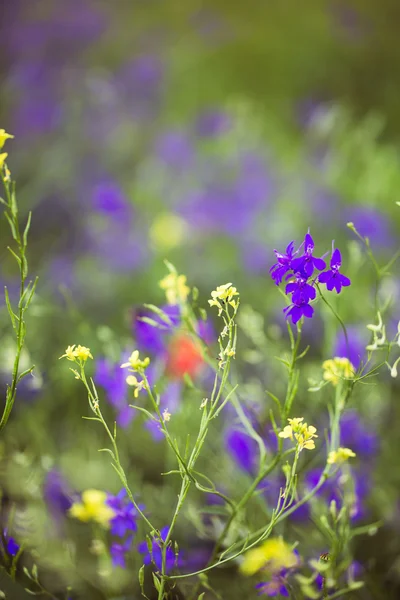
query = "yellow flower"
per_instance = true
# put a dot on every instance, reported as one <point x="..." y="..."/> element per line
<point x="340" y="456"/>
<point x="80" y="352"/>
<point x="168" y="231"/>
<point x="166" y="415"/>
<point x="93" y="508"/>
<point x="135" y="363"/>
<point x="337" y="368"/>
<point x="176" y="290"/>
<point x="3" y="137"/>
<point x="138" y="385"/>
<point x="2" y="159"/>
<point x="274" y="554"/>
<point x="302" y="433"/>
<point x="222" y="295"/>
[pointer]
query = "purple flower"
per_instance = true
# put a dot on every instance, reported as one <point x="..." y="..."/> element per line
<point x="212" y="123"/>
<point x="113" y="379"/>
<point x="154" y="339"/>
<point x="12" y="546"/>
<point x="354" y="347"/>
<point x="355" y="435"/>
<point x="296" y="311"/>
<point x="175" y="149"/>
<point x="243" y="449"/>
<point x="333" y="278"/>
<point x="156" y="553"/>
<point x="57" y="495"/>
<point x="274" y="587"/>
<point x="307" y="263"/>
<point x="118" y="552"/>
<point x="126" y="515"/>
<point x="302" y="292"/>
<point x="284" y="264"/>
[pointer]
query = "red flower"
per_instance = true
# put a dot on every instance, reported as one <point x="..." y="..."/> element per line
<point x="184" y="356"/>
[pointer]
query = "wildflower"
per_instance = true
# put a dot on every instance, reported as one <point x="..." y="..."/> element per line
<point x="296" y="311"/>
<point x="93" y="508"/>
<point x="166" y="415"/>
<point x="302" y="292"/>
<point x="393" y="369"/>
<point x="3" y="157"/>
<point x="135" y="363"/>
<point x="156" y="554"/>
<point x="336" y="369"/>
<point x="113" y="380"/>
<point x="125" y="515"/>
<point x="132" y="381"/>
<point x="224" y="295"/>
<point x="301" y="432"/>
<point x="151" y="338"/>
<point x="118" y="552"/>
<point x="73" y="353"/>
<point x="340" y="455"/>
<point x="333" y="278"/>
<point x="284" y="264"/>
<point x="12" y="547"/>
<point x="184" y="355"/>
<point x="3" y="137"/>
<point x="307" y="263"/>
<point x="277" y="586"/>
<point x="274" y="554"/>
<point x="176" y="290"/>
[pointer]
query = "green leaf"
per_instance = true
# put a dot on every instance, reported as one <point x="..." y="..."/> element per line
<point x="163" y="315"/>
<point x="152" y="322"/>
<point x="12" y="226"/>
<point x="195" y="293"/>
<point x="156" y="581"/>
<point x="13" y="317"/>
<point x="17" y="258"/>
<point x="203" y="314"/>
<point x="146" y="412"/>
<point x="26" y="230"/>
<point x="24" y="373"/>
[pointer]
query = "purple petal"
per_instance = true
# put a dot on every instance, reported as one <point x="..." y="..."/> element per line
<point x="319" y="263"/>
<point x="325" y="277"/>
<point x="308" y="311"/>
<point x="336" y="259"/>
<point x="345" y="281"/>
<point x="308" y="242"/>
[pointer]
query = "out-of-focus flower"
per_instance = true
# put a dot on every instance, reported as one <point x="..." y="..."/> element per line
<point x="175" y="149"/>
<point x="125" y="515"/>
<point x="242" y="448"/>
<point x="337" y="369"/>
<point x="354" y="347"/>
<point x="274" y="554"/>
<point x="333" y="278"/>
<point x="12" y="547"/>
<point x="3" y="137"/>
<point x="110" y="377"/>
<point x="156" y="554"/>
<point x="168" y="231"/>
<point x="150" y="338"/>
<point x="135" y="363"/>
<point x="166" y="415"/>
<point x="184" y="355"/>
<point x="57" y="495"/>
<point x="132" y="381"/>
<point x="354" y="433"/>
<point x="371" y="223"/>
<point x="3" y="157"/>
<point x="340" y="456"/>
<point x="119" y="550"/>
<point x="276" y="586"/>
<point x="302" y="433"/>
<point x="212" y="123"/>
<point x="224" y="294"/>
<point x="176" y="290"/>
<point x="93" y="508"/>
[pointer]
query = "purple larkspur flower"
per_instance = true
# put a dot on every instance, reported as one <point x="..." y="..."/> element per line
<point x="242" y="448"/>
<point x="156" y="553"/>
<point x="118" y="552"/>
<point x="355" y="435"/>
<point x="354" y="347"/>
<point x="302" y="292"/>
<point x="154" y="339"/>
<point x="112" y="378"/>
<point x="212" y="123"/>
<point x="296" y="311"/>
<point x="284" y="264"/>
<point x="333" y="278"/>
<point x="175" y="149"/>
<point x="126" y="515"/>
<point x="58" y="495"/>
<point x="12" y="546"/>
<point x="307" y="263"/>
<point x="276" y="586"/>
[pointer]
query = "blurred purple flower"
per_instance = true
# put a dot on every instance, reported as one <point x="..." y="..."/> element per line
<point x="57" y="495"/>
<point x="141" y="83"/>
<point x="118" y="552"/>
<point x="12" y="546"/>
<point x="112" y="378"/>
<point x="212" y="123"/>
<point x="108" y="198"/>
<point x="126" y="515"/>
<point x="355" y="435"/>
<point x="154" y="339"/>
<point x="243" y="449"/>
<point x="371" y="223"/>
<point x="354" y="350"/>
<point x="156" y="554"/>
<point x="276" y="586"/>
<point x="175" y="149"/>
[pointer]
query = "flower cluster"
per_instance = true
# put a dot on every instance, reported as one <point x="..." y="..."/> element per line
<point x="93" y="507"/>
<point x="301" y="432"/>
<point x="77" y="354"/>
<point x="300" y="270"/>
<point x="176" y="290"/>
<point x="122" y="525"/>
<point x="336" y="369"/>
<point x="340" y="455"/>
<point x="276" y="559"/>
<point x="136" y="365"/>
<point x="3" y="137"/>
<point x="153" y="552"/>
<point x="224" y="294"/>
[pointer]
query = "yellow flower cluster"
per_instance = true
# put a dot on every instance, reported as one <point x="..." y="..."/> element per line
<point x="336" y="369"/>
<point x="3" y="137"/>
<point x="176" y="290"/>
<point x="78" y="353"/>
<point x="336" y="457"/>
<point x="274" y="554"/>
<point x="224" y="294"/>
<point x="134" y="382"/>
<point x="93" y="508"/>
<point x="135" y="363"/>
<point x="301" y="432"/>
